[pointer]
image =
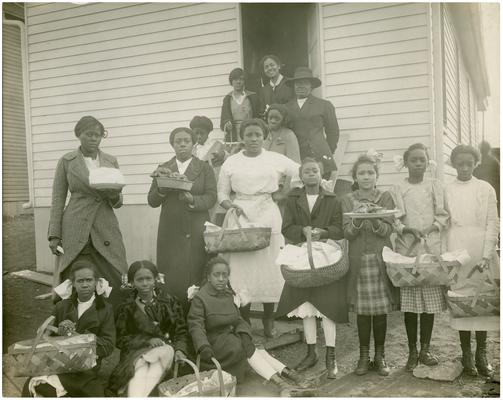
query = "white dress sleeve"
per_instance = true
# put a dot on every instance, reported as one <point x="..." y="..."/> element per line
<point x="224" y="183"/>
<point x="291" y="169"/>
<point x="492" y="224"/>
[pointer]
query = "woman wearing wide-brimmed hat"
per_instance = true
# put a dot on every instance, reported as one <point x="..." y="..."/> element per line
<point x="87" y="227"/>
<point x="313" y="120"/>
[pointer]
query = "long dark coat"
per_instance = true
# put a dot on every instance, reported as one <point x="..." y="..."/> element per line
<point x="368" y="241"/>
<point x="316" y="128"/>
<point x="87" y="215"/>
<point x="181" y="254"/>
<point x="166" y="321"/>
<point x="215" y="320"/>
<point x="330" y="300"/>
<point x="281" y="94"/>
<point x="99" y="319"/>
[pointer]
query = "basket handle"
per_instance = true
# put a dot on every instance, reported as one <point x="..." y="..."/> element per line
<point x="232" y="212"/>
<point x="196" y="373"/>
<point x="40" y="332"/>
<point x="220" y="375"/>
<point x="310" y="248"/>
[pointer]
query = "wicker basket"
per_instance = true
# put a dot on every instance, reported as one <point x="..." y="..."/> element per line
<point x="474" y="306"/>
<point x="173" y="386"/>
<point x="316" y="277"/>
<point x="436" y="273"/>
<point x="53" y="355"/>
<point x="174" y="183"/>
<point x="236" y="240"/>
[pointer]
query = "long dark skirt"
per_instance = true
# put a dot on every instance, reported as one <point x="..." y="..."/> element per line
<point x="330" y="300"/>
<point x="105" y="270"/>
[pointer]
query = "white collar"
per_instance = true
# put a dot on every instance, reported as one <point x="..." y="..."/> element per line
<point x="182" y="165"/>
<point x="280" y="78"/>
<point x="93" y="297"/>
<point x="301" y="102"/>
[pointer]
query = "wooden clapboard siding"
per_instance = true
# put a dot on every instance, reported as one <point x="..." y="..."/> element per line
<point x="14" y="161"/>
<point x="141" y="68"/>
<point x="378" y="76"/>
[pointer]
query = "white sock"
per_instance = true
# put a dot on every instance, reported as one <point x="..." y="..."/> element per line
<point x="329" y="331"/>
<point x="310" y="329"/>
<point x="261" y="366"/>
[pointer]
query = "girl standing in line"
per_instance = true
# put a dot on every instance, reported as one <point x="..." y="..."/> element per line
<point x="474" y="226"/>
<point x="422" y="216"/>
<point x="306" y="208"/>
<point x="151" y="334"/>
<point x="370" y="293"/>
<point x="84" y="311"/>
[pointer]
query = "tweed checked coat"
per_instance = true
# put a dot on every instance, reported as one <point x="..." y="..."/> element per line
<point x="316" y="128"/>
<point x="87" y="214"/>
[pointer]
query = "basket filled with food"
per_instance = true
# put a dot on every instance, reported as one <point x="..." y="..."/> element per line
<point x="105" y="178"/>
<point x="370" y="210"/>
<point x="173" y="180"/>
<point x="313" y="264"/>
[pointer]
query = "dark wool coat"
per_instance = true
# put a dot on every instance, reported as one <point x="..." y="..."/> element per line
<point x="86" y="215"/>
<point x="226" y="111"/>
<point x="367" y="241"/>
<point x="215" y="320"/>
<point x="330" y="300"/>
<point x="316" y="128"/>
<point x="281" y="94"/>
<point x="99" y="319"/>
<point x="181" y="254"/>
<point x="135" y="329"/>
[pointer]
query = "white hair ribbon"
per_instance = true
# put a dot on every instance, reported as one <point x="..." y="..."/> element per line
<point x="374" y="155"/>
<point x="191" y="291"/>
<point x="64" y="289"/>
<point x="432" y="166"/>
<point x="398" y="161"/>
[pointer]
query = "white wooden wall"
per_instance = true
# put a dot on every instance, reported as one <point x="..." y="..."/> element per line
<point x="142" y="69"/>
<point x="378" y="76"/>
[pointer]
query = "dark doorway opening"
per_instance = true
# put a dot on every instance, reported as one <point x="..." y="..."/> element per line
<point x="280" y="29"/>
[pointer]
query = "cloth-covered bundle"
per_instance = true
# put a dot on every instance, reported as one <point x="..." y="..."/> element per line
<point x="50" y="355"/>
<point x="296" y="257"/>
<point x="424" y="269"/>
<point x="106" y="178"/>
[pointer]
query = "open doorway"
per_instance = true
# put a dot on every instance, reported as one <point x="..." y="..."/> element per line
<point x="283" y="29"/>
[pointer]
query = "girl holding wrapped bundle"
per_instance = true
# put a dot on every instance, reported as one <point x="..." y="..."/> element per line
<point x="306" y="208"/>
<point x="474" y="226"/>
<point x="83" y="310"/>
<point x="218" y="330"/>
<point x="370" y="292"/>
<point x="422" y="217"/>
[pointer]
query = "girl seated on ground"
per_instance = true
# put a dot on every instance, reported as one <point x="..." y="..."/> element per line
<point x="306" y="208"/>
<point x="218" y="330"/>
<point x="81" y="311"/>
<point x="151" y="334"/>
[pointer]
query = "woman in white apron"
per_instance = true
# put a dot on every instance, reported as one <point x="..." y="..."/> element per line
<point x="474" y="226"/>
<point x="253" y="175"/>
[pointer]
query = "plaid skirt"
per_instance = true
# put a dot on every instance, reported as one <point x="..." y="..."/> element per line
<point x="371" y="295"/>
<point x="428" y="299"/>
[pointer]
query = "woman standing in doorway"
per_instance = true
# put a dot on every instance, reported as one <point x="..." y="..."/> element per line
<point x="275" y="89"/>
<point x="253" y="175"/>
<point x="87" y="228"/>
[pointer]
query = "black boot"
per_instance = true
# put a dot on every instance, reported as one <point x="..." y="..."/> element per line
<point x="309" y="360"/>
<point x="425" y="357"/>
<point x="412" y="361"/>
<point x="379" y="361"/>
<point x="330" y="362"/>
<point x="363" y="363"/>
<point x="483" y="367"/>
<point x="467" y="360"/>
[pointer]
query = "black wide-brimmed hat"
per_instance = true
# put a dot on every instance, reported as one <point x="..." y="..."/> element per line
<point x="304" y="73"/>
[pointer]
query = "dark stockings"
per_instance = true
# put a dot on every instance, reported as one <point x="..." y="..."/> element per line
<point x="426" y="327"/>
<point x="268" y="310"/>
<point x="465" y="338"/>
<point x="366" y="323"/>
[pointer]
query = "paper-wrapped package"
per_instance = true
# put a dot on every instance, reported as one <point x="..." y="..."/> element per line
<point x="106" y="178"/>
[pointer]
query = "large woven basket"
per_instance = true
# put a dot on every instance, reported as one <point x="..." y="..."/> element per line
<point x="315" y="277"/>
<point x="174" y="183"/>
<point x="474" y="306"/>
<point x="236" y="240"/>
<point x="435" y="273"/>
<point x="46" y="355"/>
<point x="173" y="386"/>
